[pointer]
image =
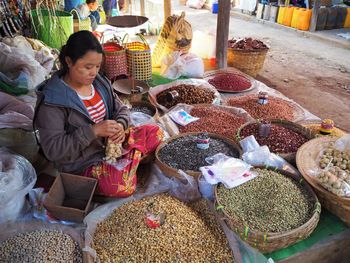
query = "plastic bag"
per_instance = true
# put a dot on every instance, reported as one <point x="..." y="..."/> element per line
<point x="197" y="4"/>
<point x="140" y="118"/>
<point x="17" y="177"/>
<point x="204" y="51"/>
<point x="182" y="117"/>
<point x="343" y="143"/>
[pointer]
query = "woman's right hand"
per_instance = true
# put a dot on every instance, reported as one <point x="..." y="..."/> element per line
<point x="106" y="128"/>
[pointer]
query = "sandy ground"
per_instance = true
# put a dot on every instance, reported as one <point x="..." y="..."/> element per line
<point x="314" y="73"/>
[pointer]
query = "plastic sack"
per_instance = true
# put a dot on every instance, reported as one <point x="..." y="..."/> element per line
<point x="140" y="118"/>
<point x="343" y="143"/>
<point x="197" y="4"/>
<point x="230" y="171"/>
<point x="203" y="51"/>
<point x="17" y="177"/>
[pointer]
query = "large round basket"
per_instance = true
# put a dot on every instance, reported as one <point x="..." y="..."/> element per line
<point x="268" y="241"/>
<point x="248" y="61"/>
<point x="172" y="172"/>
<point x="289" y="157"/>
<point x="307" y="161"/>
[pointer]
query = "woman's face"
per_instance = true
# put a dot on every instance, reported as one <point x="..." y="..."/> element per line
<point x="85" y="69"/>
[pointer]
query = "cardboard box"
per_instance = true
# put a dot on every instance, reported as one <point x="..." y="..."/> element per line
<point x="70" y="197"/>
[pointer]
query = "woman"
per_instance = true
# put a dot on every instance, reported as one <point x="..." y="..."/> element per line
<point x="77" y="112"/>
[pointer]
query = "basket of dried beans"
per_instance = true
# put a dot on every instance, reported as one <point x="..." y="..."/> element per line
<point x="272" y="211"/>
<point x="282" y="137"/>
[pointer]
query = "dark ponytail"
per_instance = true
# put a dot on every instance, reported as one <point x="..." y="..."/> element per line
<point x="77" y="46"/>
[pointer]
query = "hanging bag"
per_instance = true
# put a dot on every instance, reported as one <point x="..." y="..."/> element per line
<point x="139" y="59"/>
<point x="115" y="63"/>
<point x="80" y="24"/>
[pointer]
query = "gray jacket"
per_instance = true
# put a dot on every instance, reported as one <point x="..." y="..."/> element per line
<point x="65" y="127"/>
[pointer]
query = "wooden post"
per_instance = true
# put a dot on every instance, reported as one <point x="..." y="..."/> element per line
<point x="167" y="9"/>
<point x="222" y="28"/>
<point x="142" y="7"/>
<point x="315" y="9"/>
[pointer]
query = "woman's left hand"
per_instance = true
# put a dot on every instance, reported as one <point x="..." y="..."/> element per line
<point x="119" y="136"/>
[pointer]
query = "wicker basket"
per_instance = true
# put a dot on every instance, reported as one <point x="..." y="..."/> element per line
<point x="80" y="24"/>
<point x="247" y="61"/>
<point x="268" y="242"/>
<point x="115" y="63"/>
<point x="289" y="157"/>
<point x="307" y="161"/>
<point x="172" y="172"/>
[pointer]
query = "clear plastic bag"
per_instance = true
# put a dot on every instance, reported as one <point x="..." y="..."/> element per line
<point x="17" y="178"/>
<point x="140" y="118"/>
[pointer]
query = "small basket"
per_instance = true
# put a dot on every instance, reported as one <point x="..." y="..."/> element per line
<point x="306" y="160"/>
<point x="80" y="24"/>
<point x="289" y="157"/>
<point x="139" y="59"/>
<point x="115" y="63"/>
<point x="248" y="61"/>
<point x="172" y="172"/>
<point x="269" y="242"/>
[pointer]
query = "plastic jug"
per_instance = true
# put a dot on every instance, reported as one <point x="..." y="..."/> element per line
<point x="304" y="19"/>
<point x="273" y="13"/>
<point x="267" y="11"/>
<point x="341" y="16"/>
<point x="331" y="18"/>
<point x="347" y="19"/>
<point x="281" y="13"/>
<point x="295" y="17"/>
<point x="287" y="19"/>
<point x="322" y="18"/>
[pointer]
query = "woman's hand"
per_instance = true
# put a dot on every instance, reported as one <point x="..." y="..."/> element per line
<point x="119" y="136"/>
<point x="108" y="128"/>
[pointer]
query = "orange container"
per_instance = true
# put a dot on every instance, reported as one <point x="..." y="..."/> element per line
<point x="304" y="19"/>
<point x="280" y="16"/>
<point x="295" y="17"/>
<point x="287" y="19"/>
<point x="347" y="19"/>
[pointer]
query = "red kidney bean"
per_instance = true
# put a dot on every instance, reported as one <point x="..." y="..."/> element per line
<point x="230" y="82"/>
<point x="280" y="140"/>
<point x="275" y="109"/>
<point x="214" y="120"/>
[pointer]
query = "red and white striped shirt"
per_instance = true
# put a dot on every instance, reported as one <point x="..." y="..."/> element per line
<point x="94" y="105"/>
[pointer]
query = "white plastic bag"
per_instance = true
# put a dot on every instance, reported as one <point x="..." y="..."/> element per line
<point x="343" y="143"/>
<point x="17" y="177"/>
<point x="197" y="4"/>
<point x="202" y="50"/>
<point x="140" y="118"/>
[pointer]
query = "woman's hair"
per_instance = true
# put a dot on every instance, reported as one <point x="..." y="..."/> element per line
<point x="90" y="1"/>
<point x="77" y="46"/>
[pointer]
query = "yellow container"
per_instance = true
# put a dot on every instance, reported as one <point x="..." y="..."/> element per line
<point x="295" y="17"/>
<point x="304" y="19"/>
<point x="288" y="14"/>
<point x="280" y="16"/>
<point x="347" y="19"/>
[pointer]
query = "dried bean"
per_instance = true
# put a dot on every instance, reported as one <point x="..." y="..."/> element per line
<point x="230" y="82"/>
<point x="188" y="94"/>
<point x="271" y="202"/>
<point x="40" y="246"/>
<point x="184" y="237"/>
<point x="280" y="140"/>
<point x="275" y="109"/>
<point x="214" y="120"/>
<point x="182" y="153"/>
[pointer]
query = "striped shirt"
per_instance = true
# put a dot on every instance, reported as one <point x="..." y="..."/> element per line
<point x="94" y="105"/>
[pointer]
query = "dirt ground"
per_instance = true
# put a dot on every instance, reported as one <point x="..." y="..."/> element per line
<point x="314" y="73"/>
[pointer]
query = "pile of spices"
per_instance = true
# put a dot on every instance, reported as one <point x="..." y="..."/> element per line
<point x="229" y="82"/>
<point x="182" y="153"/>
<point x="280" y="139"/>
<point x="143" y="109"/>
<point x="276" y="108"/>
<point x="246" y="44"/>
<point x="214" y="120"/>
<point x="188" y="94"/>
<point x="271" y="202"/>
<point x="183" y="237"/>
<point x="40" y="246"/>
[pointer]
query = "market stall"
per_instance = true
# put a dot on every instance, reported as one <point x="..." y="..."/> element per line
<point x="215" y="166"/>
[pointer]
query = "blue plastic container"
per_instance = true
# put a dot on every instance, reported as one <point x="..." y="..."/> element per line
<point x="215" y="8"/>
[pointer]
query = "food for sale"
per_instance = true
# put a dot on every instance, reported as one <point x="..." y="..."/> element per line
<point x="40" y="246"/>
<point x="246" y="44"/>
<point x="271" y="202"/>
<point x="183" y="153"/>
<point x="215" y="120"/>
<point x="143" y="109"/>
<point x="184" y="236"/>
<point x="187" y="94"/>
<point x="113" y="151"/>
<point x="276" y="108"/>
<point x="280" y="139"/>
<point x="230" y="82"/>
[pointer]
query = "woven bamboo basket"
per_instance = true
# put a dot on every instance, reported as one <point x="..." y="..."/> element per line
<point x="289" y="157"/>
<point x="172" y="172"/>
<point x="247" y="61"/>
<point x="307" y="161"/>
<point x="314" y="126"/>
<point x="269" y="242"/>
<point x="80" y="24"/>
